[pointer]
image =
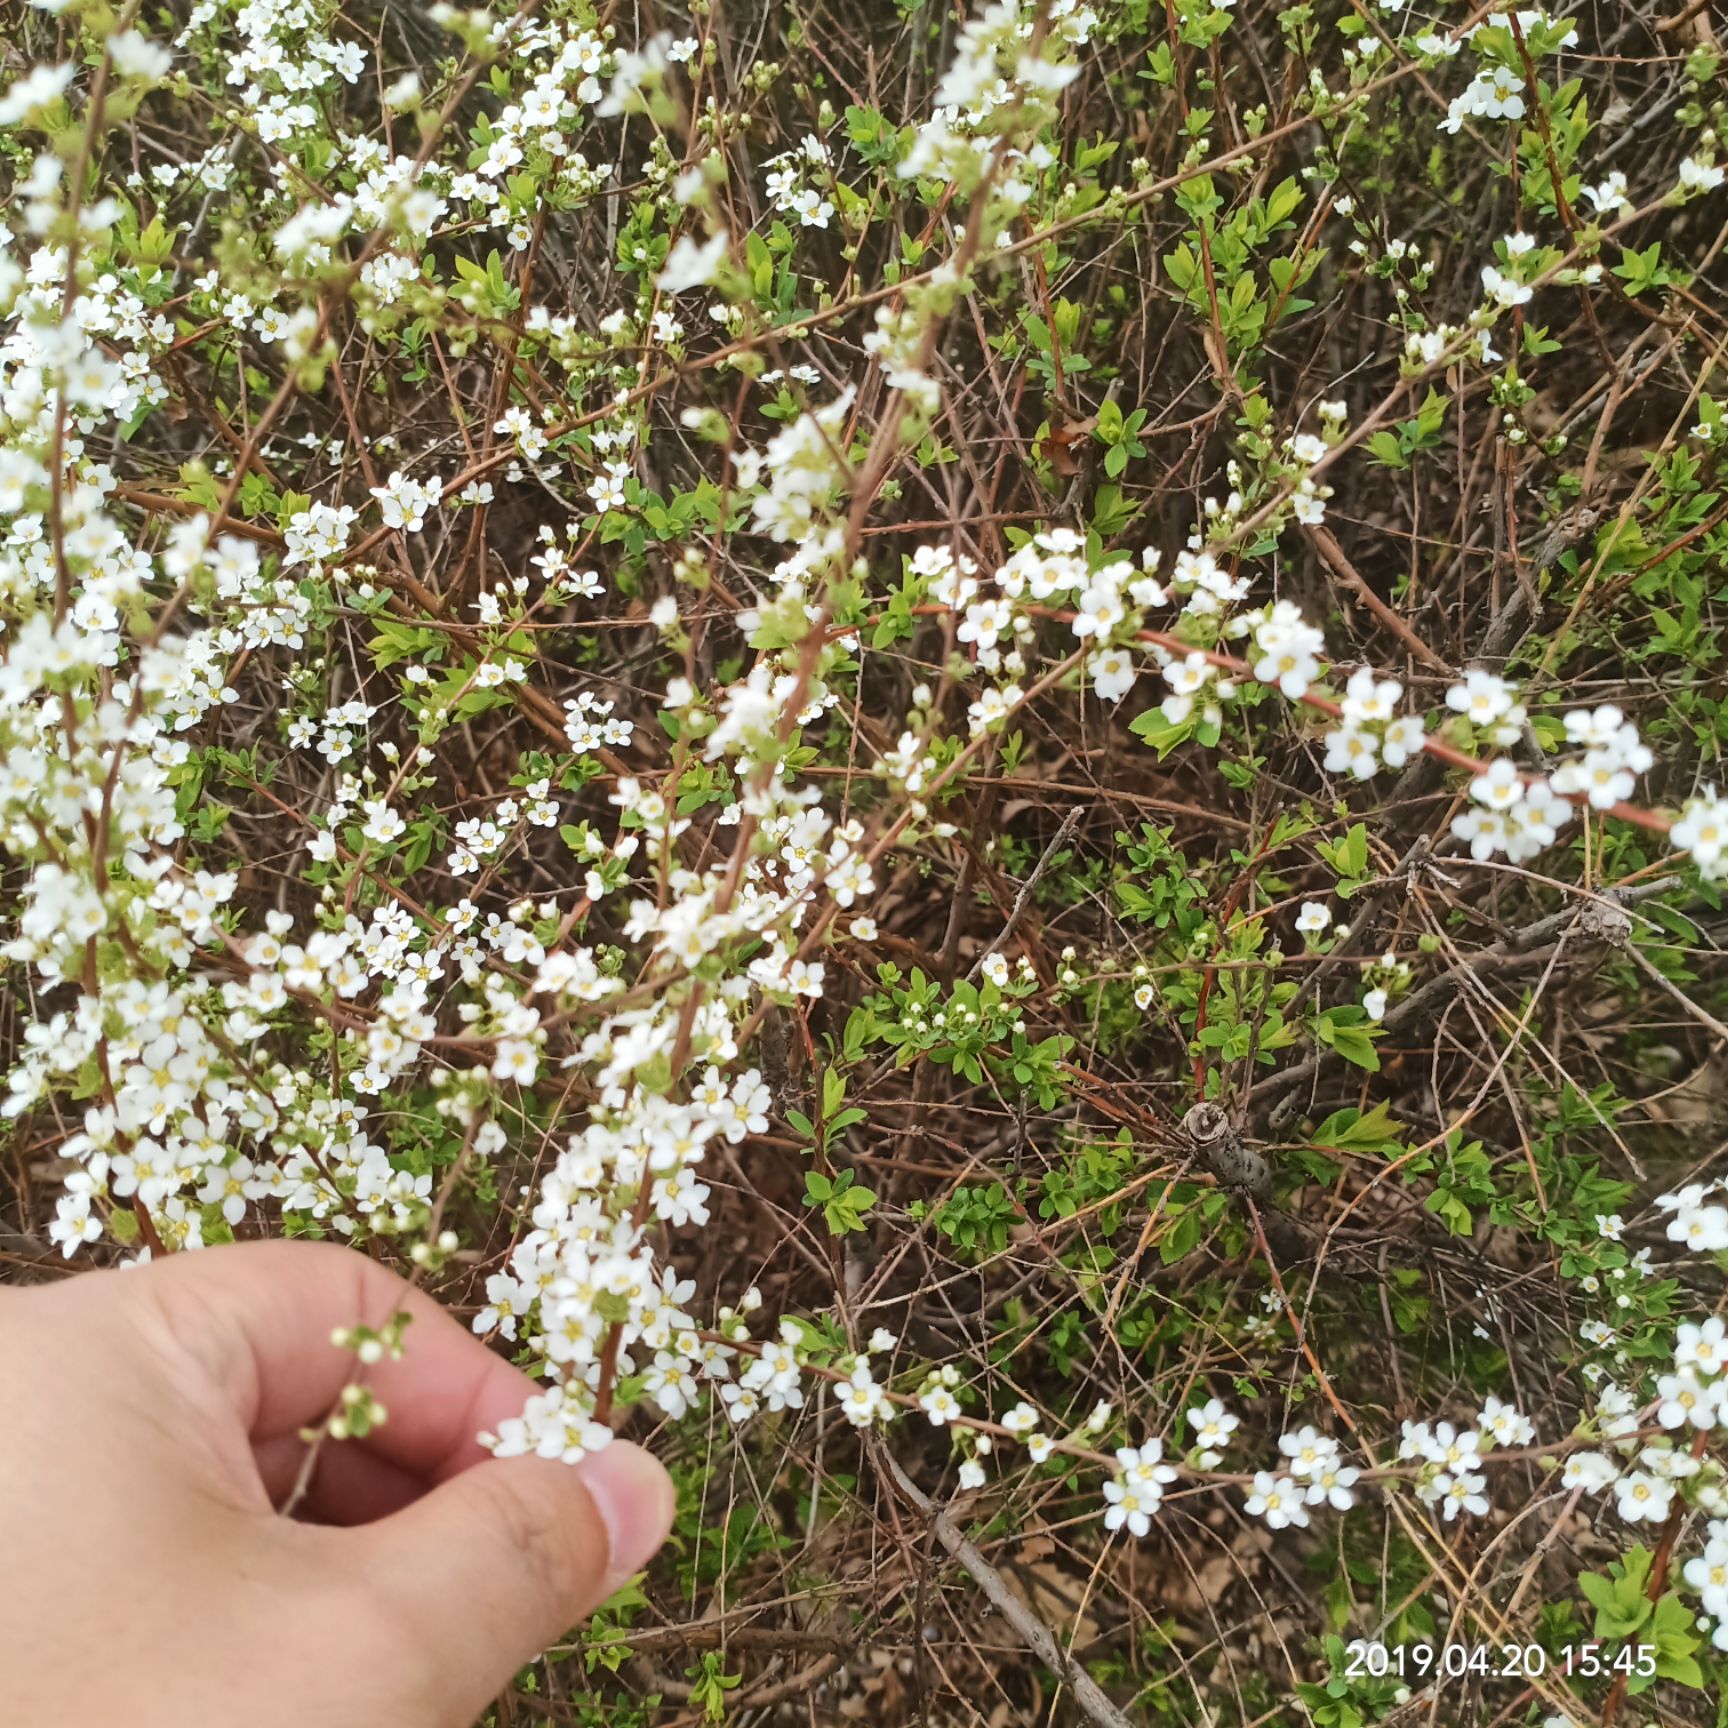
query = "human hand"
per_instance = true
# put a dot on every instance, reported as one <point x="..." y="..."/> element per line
<point x="152" y="1425"/>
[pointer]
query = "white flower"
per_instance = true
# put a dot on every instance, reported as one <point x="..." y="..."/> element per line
<point x="1708" y="1574"/>
<point x="691" y="264"/>
<point x="1701" y="1347"/>
<point x="383" y="824"/>
<point x="1289" y="650"/>
<point x="607" y="491"/>
<point x="1609" y="196"/>
<point x="1277" y="1499"/>
<point x="1483" y="696"/>
<point x="1210" y="1425"/>
<point x="38" y="88"/>
<point x="861" y="1399"/>
<point x="1401" y="740"/>
<point x="1702" y="830"/>
<point x="1308" y="1451"/>
<point x="741" y="1402"/>
<point x="74" y="1224"/>
<point x="1484" y="831"/>
<point x="1495" y="93"/>
<point x="554" y="1424"/>
<point x="1641" y="1498"/>
<point x="515" y="1059"/>
<point x="1504" y="290"/>
<point x="507" y="1299"/>
<point x="1186" y="678"/>
<point x="403" y="503"/>
<point x="1350" y="750"/>
<point x="1504" y="1424"/>
<point x="940" y="1405"/>
<point x="1137" y="1489"/>
<point x="1459" y="1492"/>
<point x="1685" y="1400"/>
<point x="1535" y="821"/>
<point x="1112" y="673"/>
<point x="136" y="56"/>
<point x="1369" y="700"/>
<point x="1595" y="728"/>
<point x="1589" y="1471"/>
<point x="1455" y="1449"/>
<point x="1333" y="1485"/>
<point x="1313" y="918"/>
<point x="983" y="622"/>
<point x="851" y="879"/>
<point x="1703" y="1229"/>
<point x="317" y="534"/>
<point x="1602" y="776"/>
<point x="1500" y="786"/>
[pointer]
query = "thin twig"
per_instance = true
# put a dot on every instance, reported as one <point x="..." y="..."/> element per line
<point x="1033" y="1633"/>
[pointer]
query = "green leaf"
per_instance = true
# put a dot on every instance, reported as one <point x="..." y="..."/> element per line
<point x="1349" y="1032"/>
<point x="1349" y="856"/>
<point x="1671" y="1631"/>
<point x="842" y="1201"/>
<point x="1163" y="735"/>
<point x="1183" y="1237"/>
<point x="833" y="1090"/>
<point x="1111" y="512"/>
<point x="1619" y="1599"/>
<point x="1385" y="449"/>
<point x="1350" y="1130"/>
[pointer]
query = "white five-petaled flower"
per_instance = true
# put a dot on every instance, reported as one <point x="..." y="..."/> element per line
<point x="1136" y="1491"/>
<point x="940" y="1405"/>
<point x="1642" y="1498"/>
<point x="1210" y="1425"/>
<point x="1280" y="1500"/>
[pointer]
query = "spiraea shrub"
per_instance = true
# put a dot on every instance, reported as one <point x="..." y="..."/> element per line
<point x="967" y="760"/>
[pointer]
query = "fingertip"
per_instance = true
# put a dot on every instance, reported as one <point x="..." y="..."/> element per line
<point x="635" y="1500"/>
<point x="540" y="1544"/>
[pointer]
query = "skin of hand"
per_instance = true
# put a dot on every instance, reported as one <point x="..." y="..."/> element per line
<point x="151" y="1428"/>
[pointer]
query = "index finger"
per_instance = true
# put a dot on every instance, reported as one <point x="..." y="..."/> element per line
<point x="258" y="1318"/>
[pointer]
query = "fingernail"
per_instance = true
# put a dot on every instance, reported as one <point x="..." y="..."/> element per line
<point x="634" y="1497"/>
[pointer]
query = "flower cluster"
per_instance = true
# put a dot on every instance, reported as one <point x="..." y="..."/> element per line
<point x="1496" y="91"/>
<point x="1372" y="733"/>
<point x="1512" y="812"/>
<point x="788" y="177"/>
<point x="1011" y="63"/>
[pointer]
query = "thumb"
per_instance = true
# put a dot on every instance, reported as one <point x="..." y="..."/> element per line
<point x="501" y="1560"/>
